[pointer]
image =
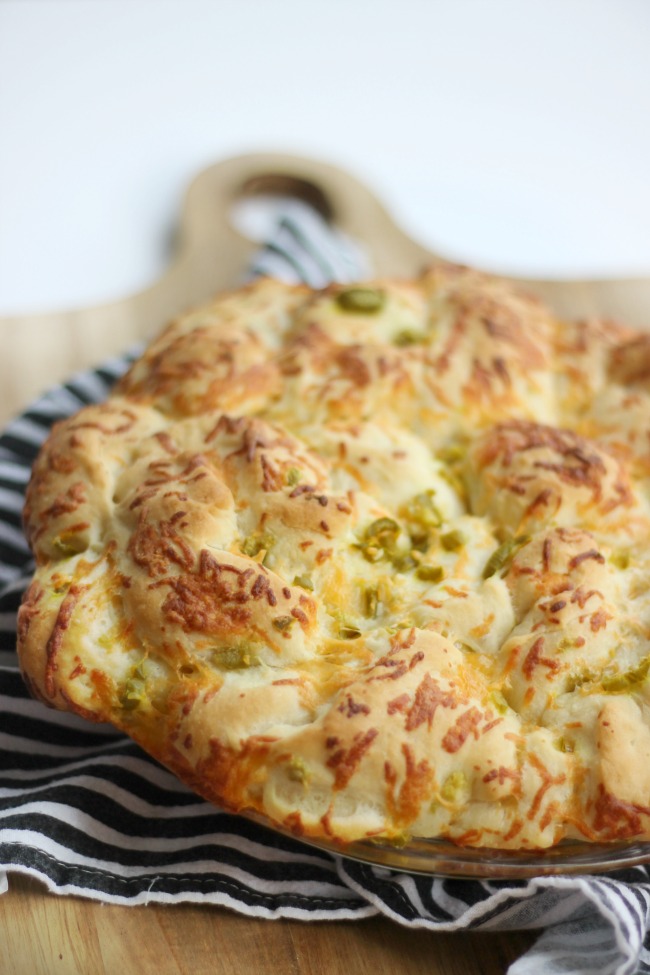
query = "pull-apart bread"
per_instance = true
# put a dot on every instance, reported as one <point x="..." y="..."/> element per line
<point x="370" y="561"/>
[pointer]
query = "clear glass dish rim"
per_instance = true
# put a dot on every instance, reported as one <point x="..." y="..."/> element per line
<point x="439" y="857"/>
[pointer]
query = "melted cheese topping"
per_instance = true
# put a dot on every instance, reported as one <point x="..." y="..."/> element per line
<point x="370" y="561"/>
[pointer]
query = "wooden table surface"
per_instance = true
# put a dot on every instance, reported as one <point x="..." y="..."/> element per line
<point x="44" y="934"/>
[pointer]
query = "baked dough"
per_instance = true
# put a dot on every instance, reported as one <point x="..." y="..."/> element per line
<point x="370" y="561"/>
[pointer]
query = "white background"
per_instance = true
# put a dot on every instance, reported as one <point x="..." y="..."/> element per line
<point x="510" y="133"/>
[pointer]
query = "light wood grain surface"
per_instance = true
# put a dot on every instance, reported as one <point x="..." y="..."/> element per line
<point x="42" y="934"/>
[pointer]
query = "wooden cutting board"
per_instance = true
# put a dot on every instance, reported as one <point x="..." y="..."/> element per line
<point x="40" y="350"/>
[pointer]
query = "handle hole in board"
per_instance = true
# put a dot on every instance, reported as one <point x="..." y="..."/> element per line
<point x="262" y="199"/>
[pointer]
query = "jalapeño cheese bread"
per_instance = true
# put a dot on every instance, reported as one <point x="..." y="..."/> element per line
<point x="371" y="561"/>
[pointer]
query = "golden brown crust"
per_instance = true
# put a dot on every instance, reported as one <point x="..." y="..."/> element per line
<point x="371" y="562"/>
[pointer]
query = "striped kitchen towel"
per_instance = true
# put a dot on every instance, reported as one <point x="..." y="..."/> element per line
<point x="83" y="809"/>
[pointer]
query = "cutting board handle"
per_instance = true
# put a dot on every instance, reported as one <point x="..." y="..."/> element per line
<point x="348" y="204"/>
<point x="338" y="196"/>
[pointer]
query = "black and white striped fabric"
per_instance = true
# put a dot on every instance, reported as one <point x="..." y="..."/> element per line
<point x="83" y="809"/>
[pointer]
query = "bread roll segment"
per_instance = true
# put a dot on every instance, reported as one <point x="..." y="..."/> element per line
<point x="370" y="561"/>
